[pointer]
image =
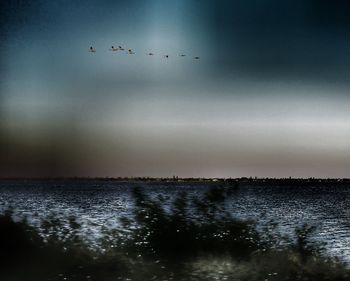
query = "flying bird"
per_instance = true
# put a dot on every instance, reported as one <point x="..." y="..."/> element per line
<point x="150" y="54"/>
<point x="92" y="50"/>
<point x="182" y="55"/>
<point x="196" y="58"/>
<point x="113" y="49"/>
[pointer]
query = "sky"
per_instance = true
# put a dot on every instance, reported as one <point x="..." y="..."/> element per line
<point x="269" y="96"/>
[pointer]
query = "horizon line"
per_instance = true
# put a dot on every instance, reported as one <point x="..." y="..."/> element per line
<point x="173" y="178"/>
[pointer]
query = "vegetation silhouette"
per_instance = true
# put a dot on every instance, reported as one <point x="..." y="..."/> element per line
<point x="183" y="238"/>
<point x="183" y="232"/>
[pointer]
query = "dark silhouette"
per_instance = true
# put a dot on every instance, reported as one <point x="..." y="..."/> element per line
<point x="163" y="240"/>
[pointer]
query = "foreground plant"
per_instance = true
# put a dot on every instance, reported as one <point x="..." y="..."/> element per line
<point x="178" y="239"/>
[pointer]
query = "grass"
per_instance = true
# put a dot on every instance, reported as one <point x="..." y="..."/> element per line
<point x="184" y="239"/>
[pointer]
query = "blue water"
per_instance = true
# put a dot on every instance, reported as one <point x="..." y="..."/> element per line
<point x="98" y="203"/>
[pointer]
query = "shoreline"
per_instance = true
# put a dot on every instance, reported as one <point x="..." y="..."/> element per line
<point x="236" y="182"/>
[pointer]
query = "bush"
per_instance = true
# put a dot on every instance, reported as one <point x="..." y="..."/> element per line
<point x="190" y="239"/>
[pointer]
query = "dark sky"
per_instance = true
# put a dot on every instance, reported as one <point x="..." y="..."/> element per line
<point x="268" y="97"/>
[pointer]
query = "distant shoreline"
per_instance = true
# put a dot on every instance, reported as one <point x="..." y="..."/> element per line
<point x="230" y="181"/>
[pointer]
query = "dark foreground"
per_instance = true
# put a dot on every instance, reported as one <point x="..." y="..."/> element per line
<point x="192" y="239"/>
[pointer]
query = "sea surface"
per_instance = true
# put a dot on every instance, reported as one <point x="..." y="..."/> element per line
<point x="101" y="203"/>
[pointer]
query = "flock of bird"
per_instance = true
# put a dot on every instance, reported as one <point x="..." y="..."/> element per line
<point x="131" y="52"/>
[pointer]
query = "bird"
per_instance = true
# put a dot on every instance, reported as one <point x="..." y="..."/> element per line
<point x="150" y="54"/>
<point x="121" y="48"/>
<point x="113" y="49"/>
<point x="182" y="55"/>
<point x="130" y="52"/>
<point x="166" y="56"/>
<point x="92" y="50"/>
<point x="196" y="58"/>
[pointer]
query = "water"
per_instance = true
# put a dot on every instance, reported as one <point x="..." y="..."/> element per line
<point x="99" y="203"/>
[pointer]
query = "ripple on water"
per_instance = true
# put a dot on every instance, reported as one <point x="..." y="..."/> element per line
<point x="97" y="204"/>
